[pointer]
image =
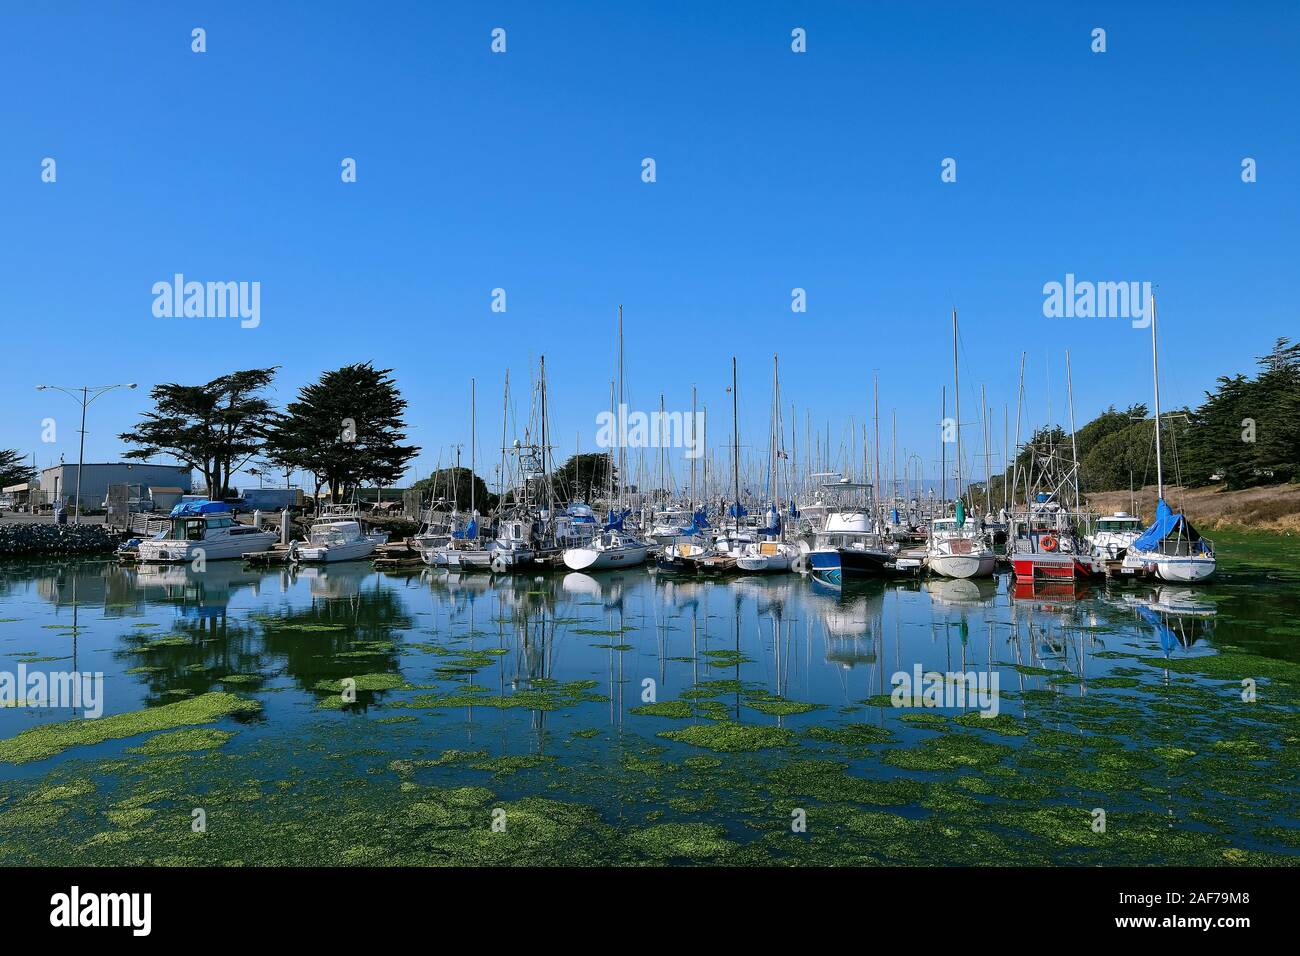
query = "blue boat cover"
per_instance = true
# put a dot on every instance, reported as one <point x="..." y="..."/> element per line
<point x="1166" y="523"/>
<point x="191" y="509"/>
<point x="731" y="512"/>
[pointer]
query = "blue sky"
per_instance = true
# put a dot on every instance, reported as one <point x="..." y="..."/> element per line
<point x="522" y="170"/>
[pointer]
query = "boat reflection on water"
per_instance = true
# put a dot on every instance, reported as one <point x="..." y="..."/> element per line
<point x="201" y="594"/>
<point x="1049" y="593"/>
<point x="333" y="581"/>
<point x="1180" y="616"/>
<point x="961" y="592"/>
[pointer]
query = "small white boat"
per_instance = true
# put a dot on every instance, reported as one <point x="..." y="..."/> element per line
<point x="337" y="535"/>
<point x="612" y="549"/>
<point x="959" y="550"/>
<point x="207" y="530"/>
<point x="762" y="557"/>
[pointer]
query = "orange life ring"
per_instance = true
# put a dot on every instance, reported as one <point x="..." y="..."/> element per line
<point x="1048" y="542"/>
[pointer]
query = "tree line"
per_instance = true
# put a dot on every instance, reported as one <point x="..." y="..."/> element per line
<point x="1245" y="433"/>
<point x="345" y="429"/>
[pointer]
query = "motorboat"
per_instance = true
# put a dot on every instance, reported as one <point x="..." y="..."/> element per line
<point x="1114" y="534"/>
<point x="204" y="530"/>
<point x="337" y="535"/>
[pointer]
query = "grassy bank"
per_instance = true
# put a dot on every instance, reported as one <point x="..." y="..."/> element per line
<point x="1272" y="508"/>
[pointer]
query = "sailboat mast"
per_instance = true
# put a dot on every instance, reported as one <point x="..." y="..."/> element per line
<point x="956" y="386"/>
<point x="473" y="448"/>
<point x="943" y="445"/>
<point x="694" y="421"/>
<point x="1155" y="376"/>
<point x="1074" y="438"/>
<point x="735" y="439"/>
<point x="622" y="452"/>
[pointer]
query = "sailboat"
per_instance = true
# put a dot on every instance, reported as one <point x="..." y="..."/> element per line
<point x="614" y="547"/>
<point x="770" y="552"/>
<point x="957" y="547"/>
<point x="1171" y="548"/>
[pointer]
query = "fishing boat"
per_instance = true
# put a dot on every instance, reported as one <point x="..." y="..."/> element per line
<point x="849" y="544"/>
<point x="1171" y="549"/>
<point x="1045" y="542"/>
<point x="337" y="535"/>
<point x="204" y="530"/>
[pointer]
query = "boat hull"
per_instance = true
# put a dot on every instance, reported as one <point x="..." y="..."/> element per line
<point x="219" y="549"/>
<point x="595" y="559"/>
<point x="1053" y="566"/>
<point x="962" y="565"/>
<point x="350" y="551"/>
<point x="1185" y="570"/>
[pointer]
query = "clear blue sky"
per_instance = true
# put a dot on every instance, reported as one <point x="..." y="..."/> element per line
<point x="523" y="171"/>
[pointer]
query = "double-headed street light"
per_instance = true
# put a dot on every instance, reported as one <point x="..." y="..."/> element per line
<point x="85" y="395"/>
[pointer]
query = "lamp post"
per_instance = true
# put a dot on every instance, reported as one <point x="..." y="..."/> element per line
<point x="88" y="393"/>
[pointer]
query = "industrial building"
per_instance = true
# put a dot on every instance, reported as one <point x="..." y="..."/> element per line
<point x="60" y="481"/>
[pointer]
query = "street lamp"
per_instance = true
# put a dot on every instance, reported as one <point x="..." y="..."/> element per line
<point x="88" y="394"/>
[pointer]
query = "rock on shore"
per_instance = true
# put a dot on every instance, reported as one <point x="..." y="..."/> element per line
<point x="54" y="540"/>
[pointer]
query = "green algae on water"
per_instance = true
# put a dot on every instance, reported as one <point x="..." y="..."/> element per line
<point x="728" y="737"/>
<point x="46" y="740"/>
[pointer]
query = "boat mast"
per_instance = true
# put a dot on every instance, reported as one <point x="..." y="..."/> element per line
<point x="622" y="452"/>
<point x="943" y="446"/>
<point x="1074" y="438"/>
<point x="956" y="387"/>
<point x="696" y="437"/>
<point x="473" y="449"/>
<point x="735" y="438"/>
<point x="1155" y="376"/>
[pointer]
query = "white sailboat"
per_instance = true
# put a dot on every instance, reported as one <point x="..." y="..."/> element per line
<point x="613" y="547"/>
<point x="1171" y="548"/>
<point x="957" y="547"/>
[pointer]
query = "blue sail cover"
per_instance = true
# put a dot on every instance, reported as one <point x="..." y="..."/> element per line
<point x="192" y="509"/>
<point x="794" y="511"/>
<point x="732" y="511"/>
<point x="699" y="523"/>
<point x="471" y="531"/>
<point x="773" y="522"/>
<point x="1166" y="523"/>
<point x="615" y="522"/>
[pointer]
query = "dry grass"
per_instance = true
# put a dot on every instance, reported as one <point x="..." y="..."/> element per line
<point x="1267" y="508"/>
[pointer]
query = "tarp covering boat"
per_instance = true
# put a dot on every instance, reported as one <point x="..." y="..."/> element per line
<point x="1167" y="523"/>
<point x="192" y="509"/>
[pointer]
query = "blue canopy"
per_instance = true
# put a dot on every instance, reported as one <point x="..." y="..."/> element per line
<point x="471" y="530"/>
<point x="191" y="509"/>
<point x="1166" y="523"/>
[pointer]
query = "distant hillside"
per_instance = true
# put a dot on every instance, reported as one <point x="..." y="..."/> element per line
<point x="1263" y="508"/>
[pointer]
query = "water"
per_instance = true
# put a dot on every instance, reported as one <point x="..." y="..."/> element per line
<point x="541" y="703"/>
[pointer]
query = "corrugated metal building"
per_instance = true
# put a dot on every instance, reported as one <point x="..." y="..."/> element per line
<point x="60" y="482"/>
